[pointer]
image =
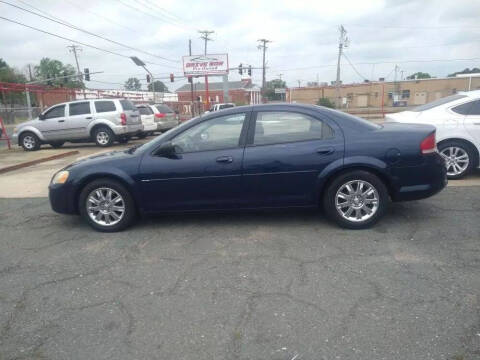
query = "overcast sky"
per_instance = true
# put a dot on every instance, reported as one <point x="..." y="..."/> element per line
<point x="304" y="36"/>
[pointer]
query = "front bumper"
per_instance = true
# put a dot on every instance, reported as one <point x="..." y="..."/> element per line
<point x="62" y="198"/>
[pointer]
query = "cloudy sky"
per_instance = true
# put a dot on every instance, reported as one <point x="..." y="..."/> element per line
<point x="418" y="35"/>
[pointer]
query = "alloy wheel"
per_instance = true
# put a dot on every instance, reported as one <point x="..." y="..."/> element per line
<point x="103" y="137"/>
<point x="357" y="200"/>
<point x="105" y="206"/>
<point x="29" y="142"/>
<point x="456" y="160"/>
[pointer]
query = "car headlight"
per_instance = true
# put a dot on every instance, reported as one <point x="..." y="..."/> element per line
<point x="60" y="177"/>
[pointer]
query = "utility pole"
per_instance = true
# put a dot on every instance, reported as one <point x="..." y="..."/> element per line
<point x="191" y="84"/>
<point x="206" y="38"/>
<point x="263" y="46"/>
<point x="27" y="93"/>
<point x="280" y="76"/>
<point x="74" y="49"/>
<point x="299" y="83"/>
<point x="396" y="85"/>
<point x="342" y="43"/>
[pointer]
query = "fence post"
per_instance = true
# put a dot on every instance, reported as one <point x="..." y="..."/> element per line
<point x="4" y="131"/>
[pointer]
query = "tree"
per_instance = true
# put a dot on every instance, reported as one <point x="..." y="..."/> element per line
<point x="465" y="71"/>
<point x="159" y="86"/>
<point x="62" y="74"/>
<point x="419" y="75"/>
<point x="326" y="102"/>
<point x="133" y="84"/>
<point x="270" y="89"/>
<point x="9" y="74"/>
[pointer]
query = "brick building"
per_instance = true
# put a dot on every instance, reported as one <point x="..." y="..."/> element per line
<point x="240" y="92"/>
<point x="403" y="93"/>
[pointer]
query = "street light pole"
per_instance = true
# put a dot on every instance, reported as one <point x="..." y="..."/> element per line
<point x="139" y="62"/>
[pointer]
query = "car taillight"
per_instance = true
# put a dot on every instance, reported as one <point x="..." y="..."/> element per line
<point x="123" y="118"/>
<point x="428" y="145"/>
<point x="160" y="115"/>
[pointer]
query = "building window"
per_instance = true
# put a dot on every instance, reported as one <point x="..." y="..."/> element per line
<point x="390" y="95"/>
<point x="405" y="94"/>
<point x="217" y="99"/>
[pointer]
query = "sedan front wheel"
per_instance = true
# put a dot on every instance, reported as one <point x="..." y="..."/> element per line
<point x="107" y="205"/>
<point x="458" y="158"/>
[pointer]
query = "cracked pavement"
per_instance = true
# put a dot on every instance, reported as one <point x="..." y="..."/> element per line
<point x="243" y="285"/>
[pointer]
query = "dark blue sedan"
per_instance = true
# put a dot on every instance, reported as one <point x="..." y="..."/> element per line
<point x="262" y="156"/>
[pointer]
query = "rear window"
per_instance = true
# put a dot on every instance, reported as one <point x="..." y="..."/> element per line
<point x="163" y="109"/>
<point x="127" y="105"/>
<point x="463" y="109"/>
<point x="104" y="106"/>
<point x="438" y="102"/>
<point x="145" y="110"/>
<point x="226" y="106"/>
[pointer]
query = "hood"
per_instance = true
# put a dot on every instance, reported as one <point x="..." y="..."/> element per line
<point x="110" y="158"/>
<point x="33" y="122"/>
<point x="403" y="117"/>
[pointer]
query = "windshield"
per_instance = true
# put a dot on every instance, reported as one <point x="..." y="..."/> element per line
<point x="438" y="102"/>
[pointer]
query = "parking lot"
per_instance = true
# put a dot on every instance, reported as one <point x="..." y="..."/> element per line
<point x="237" y="285"/>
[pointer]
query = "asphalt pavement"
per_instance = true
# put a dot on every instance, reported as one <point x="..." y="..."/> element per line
<point x="281" y="285"/>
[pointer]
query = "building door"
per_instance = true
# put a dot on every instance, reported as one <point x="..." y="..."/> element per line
<point x="420" y="98"/>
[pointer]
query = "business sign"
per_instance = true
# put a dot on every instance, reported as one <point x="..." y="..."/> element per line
<point x="280" y="91"/>
<point x="211" y="64"/>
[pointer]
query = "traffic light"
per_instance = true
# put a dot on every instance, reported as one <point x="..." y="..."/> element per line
<point x="148" y="78"/>
<point x="172" y="78"/>
<point x="86" y="72"/>
<point x="240" y="70"/>
<point x="250" y="70"/>
<point x="190" y="79"/>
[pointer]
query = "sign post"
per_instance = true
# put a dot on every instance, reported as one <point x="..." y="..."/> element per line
<point x="205" y="65"/>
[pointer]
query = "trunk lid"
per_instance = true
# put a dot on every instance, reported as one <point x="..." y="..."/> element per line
<point x="132" y="113"/>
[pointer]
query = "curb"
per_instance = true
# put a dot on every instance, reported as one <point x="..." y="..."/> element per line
<point x="37" y="161"/>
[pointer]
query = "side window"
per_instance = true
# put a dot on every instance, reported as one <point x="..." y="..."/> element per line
<point x="475" y="109"/>
<point x="463" y="109"/>
<point x="56" y="112"/>
<point x="281" y="127"/>
<point x="104" y="106"/>
<point x="80" y="108"/>
<point x="215" y="134"/>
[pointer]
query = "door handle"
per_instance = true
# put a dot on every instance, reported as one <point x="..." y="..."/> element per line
<point x="89" y="118"/>
<point x="476" y="123"/>
<point x="325" y="151"/>
<point x="61" y="120"/>
<point x="224" y="159"/>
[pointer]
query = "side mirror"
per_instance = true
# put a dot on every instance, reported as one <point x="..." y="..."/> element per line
<point x="41" y="117"/>
<point x="167" y="149"/>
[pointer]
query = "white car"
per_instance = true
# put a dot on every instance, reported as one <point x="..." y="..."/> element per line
<point x="218" y="107"/>
<point x="457" y="119"/>
<point x="148" y="120"/>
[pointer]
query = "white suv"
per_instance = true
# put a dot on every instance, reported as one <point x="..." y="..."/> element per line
<point x="102" y="121"/>
<point x="457" y="119"/>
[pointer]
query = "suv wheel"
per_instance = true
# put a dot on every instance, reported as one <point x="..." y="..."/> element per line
<point x="103" y="136"/>
<point x="29" y="141"/>
<point x="356" y="200"/>
<point x="107" y="205"/>
<point x="459" y="158"/>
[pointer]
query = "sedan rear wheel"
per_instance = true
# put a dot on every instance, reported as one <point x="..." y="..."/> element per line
<point x="458" y="158"/>
<point x="356" y="200"/>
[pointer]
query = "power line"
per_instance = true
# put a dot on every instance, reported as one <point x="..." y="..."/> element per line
<point x="412" y="27"/>
<point x="67" y="24"/>
<point x="77" y="42"/>
<point x="382" y="62"/>
<point x="353" y="67"/>
<point x="148" y="14"/>
<point x="162" y="12"/>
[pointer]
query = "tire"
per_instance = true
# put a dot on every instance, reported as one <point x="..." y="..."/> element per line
<point x="459" y="157"/>
<point x="57" y="144"/>
<point x="29" y="141"/>
<point x="103" y="136"/>
<point x="142" y="135"/>
<point x="123" y="139"/>
<point x="104" y="217"/>
<point x="375" y="198"/>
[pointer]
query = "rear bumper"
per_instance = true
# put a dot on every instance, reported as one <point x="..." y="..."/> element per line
<point x="420" y="182"/>
<point x="127" y="129"/>
<point x="166" y="124"/>
<point x="149" y="127"/>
